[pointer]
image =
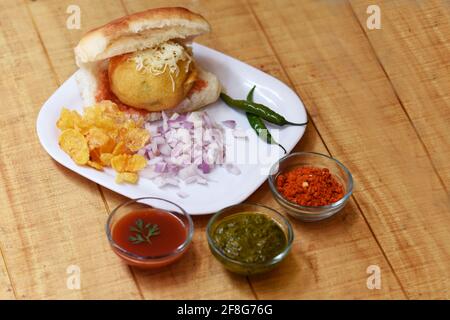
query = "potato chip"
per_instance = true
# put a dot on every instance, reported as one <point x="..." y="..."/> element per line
<point x="68" y="119"/>
<point x="136" y="139"/>
<point x="83" y="126"/>
<point x="136" y="163"/>
<point x="104" y="115"/>
<point x="95" y="165"/>
<point x="94" y="155"/>
<point x="107" y="107"/>
<point x="75" y="145"/>
<point x="134" y="123"/>
<point x="97" y="138"/>
<point x="119" y="162"/>
<point x="104" y="136"/>
<point x="105" y="159"/>
<point x="120" y="148"/>
<point x="108" y="147"/>
<point x="129" y="177"/>
<point x="97" y="153"/>
<point x="128" y="163"/>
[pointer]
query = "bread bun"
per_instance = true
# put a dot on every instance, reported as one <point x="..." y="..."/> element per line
<point x="140" y="31"/>
<point x="198" y="99"/>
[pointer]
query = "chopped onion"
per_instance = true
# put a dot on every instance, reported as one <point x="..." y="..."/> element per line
<point x="174" y="123"/>
<point x="154" y="160"/>
<point x="233" y="169"/>
<point x="158" y="140"/>
<point x="207" y="120"/>
<point x="229" y="124"/>
<point x="160" y="167"/>
<point x="172" y="168"/>
<point x="174" y="116"/>
<point x="204" y="167"/>
<point x="188" y="125"/>
<point x="185" y="147"/>
<point x="190" y="180"/>
<point x="201" y="180"/>
<point x="172" y="181"/>
<point x="154" y="146"/>
<point x="181" y="117"/>
<point x="148" y="173"/>
<point x="165" y="149"/>
<point x="182" y="194"/>
<point x="188" y="172"/>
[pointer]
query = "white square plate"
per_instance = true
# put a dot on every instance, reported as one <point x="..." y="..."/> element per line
<point x="252" y="156"/>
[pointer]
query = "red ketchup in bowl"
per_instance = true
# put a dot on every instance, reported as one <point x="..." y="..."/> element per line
<point x="149" y="238"/>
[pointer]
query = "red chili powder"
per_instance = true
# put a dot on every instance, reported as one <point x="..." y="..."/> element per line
<point x="309" y="186"/>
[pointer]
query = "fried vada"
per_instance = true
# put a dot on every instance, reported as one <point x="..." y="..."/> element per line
<point x="145" y="62"/>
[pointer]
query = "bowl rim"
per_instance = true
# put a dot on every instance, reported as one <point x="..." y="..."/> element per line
<point x="138" y="257"/>
<point x="279" y="257"/>
<point x="274" y="171"/>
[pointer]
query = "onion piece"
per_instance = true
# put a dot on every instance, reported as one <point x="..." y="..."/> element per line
<point x="187" y="172"/>
<point x="182" y="194"/>
<point x="229" y="124"/>
<point x="182" y="117"/>
<point x="174" y="116"/>
<point x="201" y="180"/>
<point x="173" y="168"/>
<point x="233" y="169"/>
<point x="190" y="180"/>
<point x="205" y="167"/>
<point x="188" y="125"/>
<point x="160" y="167"/>
<point x="154" y="160"/>
<point x="158" y="139"/>
<point x="148" y="173"/>
<point x="165" y="149"/>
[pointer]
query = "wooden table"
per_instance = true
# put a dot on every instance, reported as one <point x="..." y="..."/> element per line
<point x="378" y="100"/>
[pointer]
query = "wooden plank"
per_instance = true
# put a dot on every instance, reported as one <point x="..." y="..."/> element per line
<point x="414" y="50"/>
<point x="51" y="217"/>
<point x="329" y="259"/>
<point x="333" y="67"/>
<point x="6" y="288"/>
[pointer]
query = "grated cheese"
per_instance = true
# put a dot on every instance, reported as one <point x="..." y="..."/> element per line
<point x="157" y="59"/>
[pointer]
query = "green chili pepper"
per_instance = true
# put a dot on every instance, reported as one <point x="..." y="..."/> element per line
<point x="258" y="124"/>
<point x="259" y="110"/>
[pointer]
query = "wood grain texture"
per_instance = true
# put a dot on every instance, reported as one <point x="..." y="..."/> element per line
<point x="333" y="67"/>
<point x="356" y="96"/>
<point x="414" y="49"/>
<point x="6" y="288"/>
<point x="51" y="218"/>
<point x="337" y="267"/>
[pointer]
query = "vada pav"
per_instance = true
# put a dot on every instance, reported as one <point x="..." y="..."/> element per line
<point x="143" y="61"/>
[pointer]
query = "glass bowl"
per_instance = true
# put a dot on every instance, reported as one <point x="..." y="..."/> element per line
<point x="242" y="267"/>
<point x="150" y="262"/>
<point x="313" y="159"/>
